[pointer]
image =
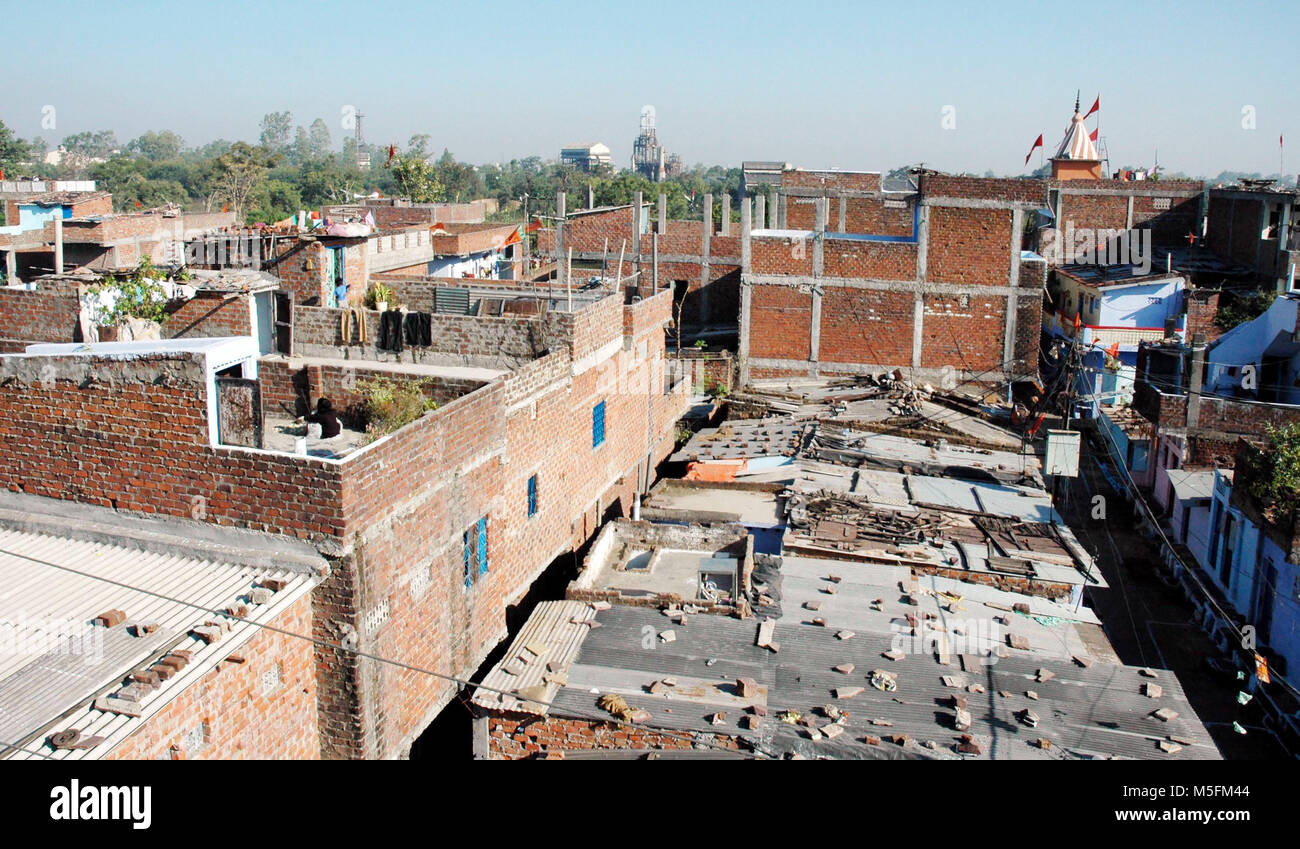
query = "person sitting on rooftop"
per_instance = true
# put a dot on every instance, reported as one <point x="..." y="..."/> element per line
<point x="326" y="418"/>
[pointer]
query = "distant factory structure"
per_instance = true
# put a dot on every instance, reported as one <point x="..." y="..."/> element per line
<point x="649" y="157"/>
<point x="588" y="157"/>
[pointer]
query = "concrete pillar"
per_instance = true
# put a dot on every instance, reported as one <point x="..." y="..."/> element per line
<point x="1197" y="377"/>
<point x="11" y="267"/>
<point x="661" y="224"/>
<point x="654" y="247"/>
<point x="636" y="230"/>
<point x="591" y="197"/>
<point x="1013" y="283"/>
<point x="559" y="238"/>
<point x="773" y="212"/>
<point x="724" y="227"/>
<point x="760" y="211"/>
<point x="780" y="218"/>
<point x="819" y="237"/>
<point x="58" y="246"/>
<point x="844" y="209"/>
<point x="815" y="330"/>
<point x="704" y="258"/>
<point x="746" y="226"/>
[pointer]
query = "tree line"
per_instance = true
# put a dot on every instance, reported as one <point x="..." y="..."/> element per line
<point x="293" y="167"/>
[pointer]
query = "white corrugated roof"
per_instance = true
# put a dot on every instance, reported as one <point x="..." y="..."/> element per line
<point x="539" y="657"/>
<point x="55" y="661"/>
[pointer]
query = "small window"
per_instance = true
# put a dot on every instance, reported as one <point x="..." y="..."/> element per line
<point x="476" y="559"/>
<point x="532" y="496"/>
<point x="598" y="425"/>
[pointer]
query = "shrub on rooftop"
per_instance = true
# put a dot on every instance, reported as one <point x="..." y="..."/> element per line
<point x="390" y="404"/>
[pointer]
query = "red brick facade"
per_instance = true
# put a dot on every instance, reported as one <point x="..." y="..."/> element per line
<point x="261" y="708"/>
<point x="391" y="516"/>
<point x="943" y="290"/>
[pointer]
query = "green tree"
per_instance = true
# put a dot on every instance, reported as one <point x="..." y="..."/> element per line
<point x="1274" y="474"/>
<point x="82" y="149"/>
<point x="239" y="171"/>
<point x="157" y="146"/>
<point x="460" y="181"/>
<point x="13" y="151"/>
<point x="272" y="201"/>
<point x="319" y="142"/>
<point x="415" y="178"/>
<point x="276" y="129"/>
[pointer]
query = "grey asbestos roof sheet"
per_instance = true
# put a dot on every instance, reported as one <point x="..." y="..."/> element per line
<point x="1098" y="711"/>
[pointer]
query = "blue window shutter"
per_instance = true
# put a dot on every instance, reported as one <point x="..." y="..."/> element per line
<point x="532" y="496"/>
<point x="469" y="575"/>
<point x="597" y="424"/>
<point x="482" y="546"/>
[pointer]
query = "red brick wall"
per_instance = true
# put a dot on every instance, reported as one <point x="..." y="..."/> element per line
<point x="1095" y="211"/>
<point x="133" y="442"/>
<point x="210" y="315"/>
<point x="856" y="181"/>
<point x="514" y="737"/>
<point x="964" y="332"/>
<point x="38" y="315"/>
<point x="398" y="507"/>
<point x="1234" y="226"/>
<point x="866" y="326"/>
<point x="302" y="271"/>
<point x="1201" y="310"/>
<point x="871" y="260"/>
<point x="242" y="718"/>
<point x="780" y="318"/>
<point x="983" y="188"/>
<point x="773" y="255"/>
<point x="316" y="333"/>
<point x="969" y="246"/>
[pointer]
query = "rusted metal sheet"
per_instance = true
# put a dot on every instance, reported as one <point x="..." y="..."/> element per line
<point x="239" y="412"/>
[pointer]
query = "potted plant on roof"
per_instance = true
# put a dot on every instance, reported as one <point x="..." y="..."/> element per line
<point x="136" y="303"/>
<point x="379" y="296"/>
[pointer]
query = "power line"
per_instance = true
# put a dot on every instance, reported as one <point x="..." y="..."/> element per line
<point x="1151" y="518"/>
<point x="758" y="753"/>
<point x="11" y="747"/>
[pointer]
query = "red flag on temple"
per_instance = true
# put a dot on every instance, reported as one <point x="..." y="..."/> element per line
<point x="1037" y="144"/>
<point x="1095" y="106"/>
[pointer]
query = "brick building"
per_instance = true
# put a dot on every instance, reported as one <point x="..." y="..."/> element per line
<point x="698" y="260"/>
<point x="855" y="279"/>
<point x="156" y="680"/>
<point x="88" y="236"/>
<point x="312" y="265"/>
<point x="1255" y="225"/>
<point x="60" y="307"/>
<point x="430" y="532"/>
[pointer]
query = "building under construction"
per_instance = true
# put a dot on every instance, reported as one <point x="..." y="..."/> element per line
<point x="648" y="155"/>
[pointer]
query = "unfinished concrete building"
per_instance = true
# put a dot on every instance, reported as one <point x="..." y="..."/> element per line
<point x="843" y="276"/>
<point x="698" y="260"/>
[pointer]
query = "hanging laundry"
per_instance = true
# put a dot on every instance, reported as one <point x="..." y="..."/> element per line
<point x="418" y="328"/>
<point x="350" y="318"/>
<point x="390" y="331"/>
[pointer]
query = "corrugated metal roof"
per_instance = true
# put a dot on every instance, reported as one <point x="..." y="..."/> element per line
<point x="55" y="587"/>
<point x="539" y="656"/>
<point x="1192" y="484"/>
<point x="1098" y="711"/>
<point x="1012" y="502"/>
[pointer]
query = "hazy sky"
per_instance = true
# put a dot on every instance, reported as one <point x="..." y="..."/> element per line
<point x="853" y="86"/>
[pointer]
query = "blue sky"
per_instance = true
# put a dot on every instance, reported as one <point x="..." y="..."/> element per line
<point x="854" y="86"/>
